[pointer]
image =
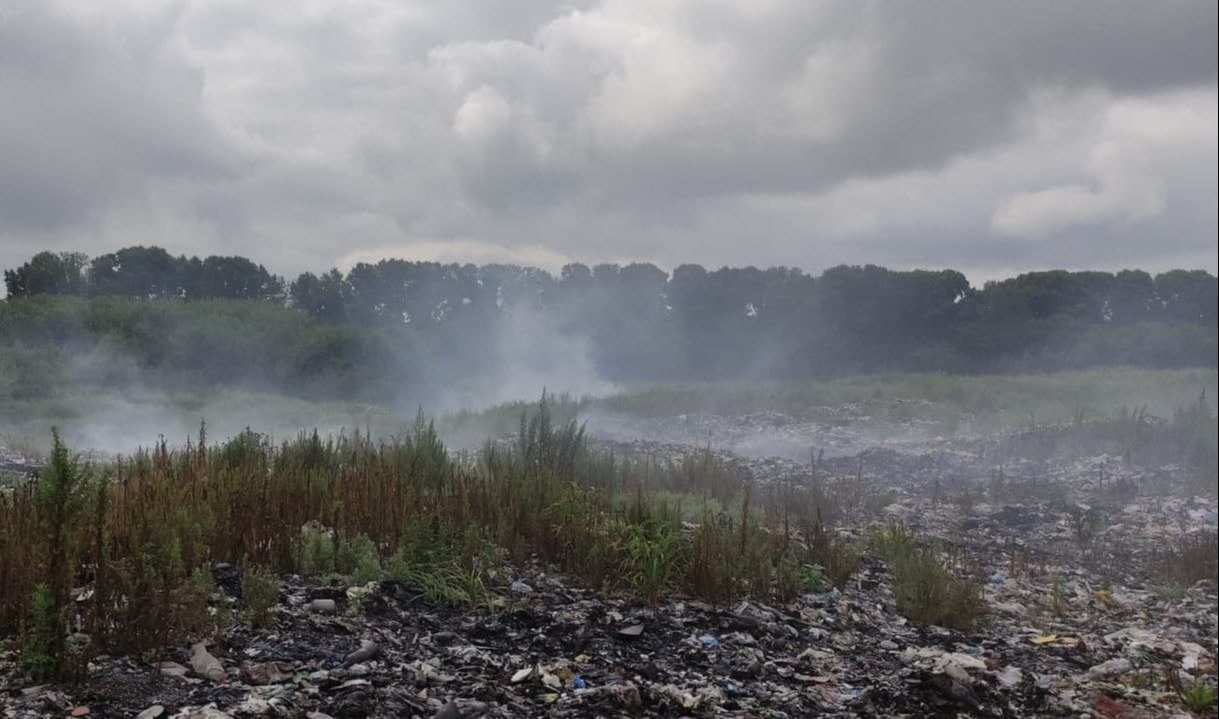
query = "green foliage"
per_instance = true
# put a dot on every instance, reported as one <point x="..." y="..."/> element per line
<point x="41" y="647"/>
<point x="793" y="579"/>
<point x="713" y="561"/>
<point x="926" y="592"/>
<point x="115" y="342"/>
<point x="358" y="557"/>
<point x="48" y="273"/>
<point x="893" y="541"/>
<point x="812" y="578"/>
<point x="158" y="519"/>
<point x="837" y="559"/>
<point x="1198" y="696"/>
<point x="314" y="551"/>
<point x="450" y="567"/>
<point x="57" y="507"/>
<point x="396" y="327"/>
<point x="260" y="593"/>
<point x="653" y="557"/>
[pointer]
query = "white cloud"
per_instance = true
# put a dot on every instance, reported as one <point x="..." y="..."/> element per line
<point x="1141" y="145"/>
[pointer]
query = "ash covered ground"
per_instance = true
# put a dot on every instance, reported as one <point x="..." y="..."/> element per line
<point x="1096" y="563"/>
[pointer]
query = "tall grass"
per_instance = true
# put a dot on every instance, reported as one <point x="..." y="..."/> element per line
<point x="140" y="533"/>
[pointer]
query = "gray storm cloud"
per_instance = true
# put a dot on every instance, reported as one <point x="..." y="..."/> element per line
<point x="993" y="138"/>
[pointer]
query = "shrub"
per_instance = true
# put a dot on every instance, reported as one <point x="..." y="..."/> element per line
<point x="653" y="557"/>
<point x="711" y="570"/>
<point x="793" y="579"/>
<point x="314" y="553"/>
<point x="1198" y="696"/>
<point x="838" y="560"/>
<point x="357" y="556"/>
<point x="925" y="591"/>
<point x="38" y="653"/>
<point x="1189" y="559"/>
<point x="260" y="593"/>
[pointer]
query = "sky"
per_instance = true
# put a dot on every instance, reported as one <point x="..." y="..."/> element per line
<point x="993" y="138"/>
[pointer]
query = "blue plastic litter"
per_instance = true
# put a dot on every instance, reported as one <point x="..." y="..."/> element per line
<point x="578" y="682"/>
<point x="709" y="641"/>
<point x="997" y="579"/>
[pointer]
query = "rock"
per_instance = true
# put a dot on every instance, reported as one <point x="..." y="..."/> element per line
<point x="323" y="606"/>
<point x="205" y="665"/>
<point x="81" y="711"/>
<point x="520" y="587"/>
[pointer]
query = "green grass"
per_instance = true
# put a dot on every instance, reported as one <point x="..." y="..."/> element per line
<point x="1001" y="400"/>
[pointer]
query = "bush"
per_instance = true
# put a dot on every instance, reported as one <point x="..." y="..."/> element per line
<point x="357" y="557"/>
<point x="653" y="558"/>
<point x="926" y="592"/>
<point x="260" y="593"/>
<point x="314" y="553"/>
<point x="38" y="653"/>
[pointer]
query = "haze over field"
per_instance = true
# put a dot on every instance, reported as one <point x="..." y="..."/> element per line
<point x="486" y="359"/>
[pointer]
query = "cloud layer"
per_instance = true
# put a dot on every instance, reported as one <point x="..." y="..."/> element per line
<point x="992" y="138"/>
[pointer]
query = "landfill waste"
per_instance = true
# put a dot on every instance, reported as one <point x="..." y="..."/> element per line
<point x="1068" y="550"/>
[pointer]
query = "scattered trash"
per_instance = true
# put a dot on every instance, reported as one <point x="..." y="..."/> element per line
<point x="1072" y="626"/>
<point x="368" y="650"/>
<point x="323" y="606"/>
<point x="205" y="665"/>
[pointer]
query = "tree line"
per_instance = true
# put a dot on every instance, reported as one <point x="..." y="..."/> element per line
<point x="641" y="322"/>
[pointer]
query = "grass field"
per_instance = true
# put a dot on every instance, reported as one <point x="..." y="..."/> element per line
<point x="112" y="422"/>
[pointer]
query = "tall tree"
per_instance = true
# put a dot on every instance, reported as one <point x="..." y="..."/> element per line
<point x="143" y="272"/>
<point x="48" y="273"/>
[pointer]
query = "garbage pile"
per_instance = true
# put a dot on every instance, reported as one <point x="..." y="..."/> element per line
<point x="15" y="463"/>
<point x="1080" y="620"/>
<point x="845" y="429"/>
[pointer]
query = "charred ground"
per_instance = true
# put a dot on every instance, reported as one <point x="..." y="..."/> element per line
<point x="1022" y="569"/>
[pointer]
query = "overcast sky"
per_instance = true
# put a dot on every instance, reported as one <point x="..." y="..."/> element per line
<point x="989" y="137"/>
